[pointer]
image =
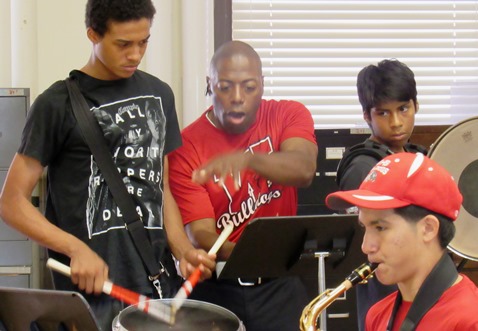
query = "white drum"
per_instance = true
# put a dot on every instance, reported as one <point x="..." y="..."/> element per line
<point x="457" y="151"/>
<point x="193" y="315"/>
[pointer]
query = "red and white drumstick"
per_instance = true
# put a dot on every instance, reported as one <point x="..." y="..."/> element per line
<point x="193" y="279"/>
<point x="158" y="310"/>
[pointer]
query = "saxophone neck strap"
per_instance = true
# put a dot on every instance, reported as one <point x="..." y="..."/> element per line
<point x="442" y="277"/>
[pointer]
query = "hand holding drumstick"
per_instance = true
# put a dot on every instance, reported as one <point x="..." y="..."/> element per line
<point x="161" y="311"/>
<point x="193" y="279"/>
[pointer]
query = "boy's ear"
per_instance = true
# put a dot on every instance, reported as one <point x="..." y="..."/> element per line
<point x="430" y="226"/>
<point x="93" y="36"/>
<point x="417" y="106"/>
<point x="366" y="117"/>
<point x="208" y="91"/>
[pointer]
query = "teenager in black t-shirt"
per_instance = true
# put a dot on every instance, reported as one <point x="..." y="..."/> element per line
<point x="83" y="226"/>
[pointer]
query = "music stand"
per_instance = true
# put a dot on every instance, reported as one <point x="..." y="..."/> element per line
<point x="276" y="246"/>
<point x="21" y="308"/>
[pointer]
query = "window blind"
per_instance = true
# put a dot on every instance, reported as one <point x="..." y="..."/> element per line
<point x="313" y="50"/>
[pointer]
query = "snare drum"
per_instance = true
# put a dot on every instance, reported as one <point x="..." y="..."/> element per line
<point x="193" y="315"/>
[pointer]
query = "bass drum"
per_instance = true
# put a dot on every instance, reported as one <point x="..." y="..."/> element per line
<point x="193" y="315"/>
<point x="457" y="151"/>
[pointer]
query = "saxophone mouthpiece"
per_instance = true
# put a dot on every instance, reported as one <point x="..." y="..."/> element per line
<point x="362" y="273"/>
<point x="373" y="266"/>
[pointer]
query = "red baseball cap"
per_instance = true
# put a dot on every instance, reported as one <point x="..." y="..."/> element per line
<point x="400" y="180"/>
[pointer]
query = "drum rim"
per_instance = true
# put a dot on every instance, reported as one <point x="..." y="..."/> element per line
<point x="199" y="303"/>
<point x="465" y="256"/>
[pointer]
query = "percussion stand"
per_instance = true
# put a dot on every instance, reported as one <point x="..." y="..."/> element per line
<point x="461" y="265"/>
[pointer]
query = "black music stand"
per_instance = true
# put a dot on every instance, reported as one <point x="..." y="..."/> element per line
<point x="46" y="310"/>
<point x="275" y="246"/>
<point x="281" y="246"/>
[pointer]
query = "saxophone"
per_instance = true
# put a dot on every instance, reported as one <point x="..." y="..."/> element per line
<point x="311" y="312"/>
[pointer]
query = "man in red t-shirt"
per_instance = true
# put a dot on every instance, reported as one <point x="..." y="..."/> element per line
<point x="244" y="158"/>
<point x="407" y="205"/>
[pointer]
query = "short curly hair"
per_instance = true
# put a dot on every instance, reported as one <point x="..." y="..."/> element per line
<point x="100" y="12"/>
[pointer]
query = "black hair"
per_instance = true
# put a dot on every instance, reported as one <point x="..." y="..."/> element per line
<point x="414" y="213"/>
<point x="100" y="12"/>
<point x="390" y="80"/>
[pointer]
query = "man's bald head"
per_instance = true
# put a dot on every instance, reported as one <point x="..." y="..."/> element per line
<point x="234" y="48"/>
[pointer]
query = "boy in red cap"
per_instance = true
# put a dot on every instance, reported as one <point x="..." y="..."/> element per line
<point x="407" y="205"/>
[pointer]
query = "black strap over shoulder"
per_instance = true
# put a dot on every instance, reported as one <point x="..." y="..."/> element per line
<point x="442" y="277"/>
<point x="368" y="147"/>
<point x="94" y="137"/>
<point x="415" y="148"/>
<point x="373" y="149"/>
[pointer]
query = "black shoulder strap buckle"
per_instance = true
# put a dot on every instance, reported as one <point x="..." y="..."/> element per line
<point x="414" y="148"/>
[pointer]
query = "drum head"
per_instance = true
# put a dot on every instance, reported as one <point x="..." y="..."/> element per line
<point x="193" y="315"/>
<point x="457" y="151"/>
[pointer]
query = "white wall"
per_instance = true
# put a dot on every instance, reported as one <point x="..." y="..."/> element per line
<point x="62" y="43"/>
<point x="43" y="40"/>
<point x="5" y="39"/>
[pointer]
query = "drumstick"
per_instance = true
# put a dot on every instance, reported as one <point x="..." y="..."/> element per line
<point x="193" y="279"/>
<point x="158" y="310"/>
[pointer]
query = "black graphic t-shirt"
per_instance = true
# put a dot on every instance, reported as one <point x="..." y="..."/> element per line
<point x="138" y="118"/>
